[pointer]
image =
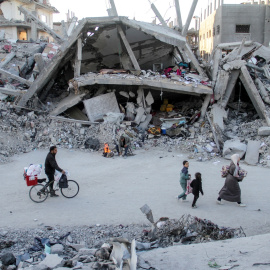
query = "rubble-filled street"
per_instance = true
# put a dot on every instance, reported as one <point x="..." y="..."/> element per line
<point x="108" y="204"/>
<point x="142" y="115"/>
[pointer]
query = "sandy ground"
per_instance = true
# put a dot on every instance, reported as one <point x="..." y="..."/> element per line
<point x="113" y="190"/>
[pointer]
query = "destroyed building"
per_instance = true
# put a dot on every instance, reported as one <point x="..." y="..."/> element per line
<point x="139" y="77"/>
<point x="225" y="23"/>
<point x="14" y="25"/>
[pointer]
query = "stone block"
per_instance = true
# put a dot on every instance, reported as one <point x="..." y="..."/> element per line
<point x="87" y="251"/>
<point x="97" y="107"/>
<point x="264" y="131"/>
<point x="57" y="249"/>
<point x="234" y="147"/>
<point x="52" y="261"/>
<point x="252" y="154"/>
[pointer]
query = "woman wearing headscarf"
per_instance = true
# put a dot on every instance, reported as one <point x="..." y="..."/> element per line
<point x="231" y="190"/>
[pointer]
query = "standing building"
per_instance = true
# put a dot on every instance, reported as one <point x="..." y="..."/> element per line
<point x="224" y="23"/>
<point x="14" y="24"/>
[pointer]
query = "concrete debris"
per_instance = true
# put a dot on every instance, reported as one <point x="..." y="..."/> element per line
<point x="52" y="261"/>
<point x="264" y="131"/>
<point x="234" y="147"/>
<point x="106" y="245"/>
<point x="252" y="155"/>
<point x="98" y="106"/>
<point x="76" y="88"/>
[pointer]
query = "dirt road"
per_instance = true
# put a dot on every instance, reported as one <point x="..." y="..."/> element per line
<point x="113" y="190"/>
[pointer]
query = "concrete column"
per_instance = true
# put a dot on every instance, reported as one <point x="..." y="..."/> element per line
<point x="178" y="13"/>
<point x="190" y="15"/>
<point x="266" y="41"/>
<point x="64" y="29"/>
<point x="158" y="15"/>
<point x="215" y="4"/>
<point x="252" y="2"/>
<point x="78" y="59"/>
<point x="33" y="28"/>
<point x="114" y="10"/>
<point x="204" y="107"/>
<point x="260" y="2"/>
<point x="128" y="48"/>
<point x="231" y="85"/>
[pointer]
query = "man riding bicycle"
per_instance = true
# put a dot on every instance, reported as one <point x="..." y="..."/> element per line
<point x="50" y="167"/>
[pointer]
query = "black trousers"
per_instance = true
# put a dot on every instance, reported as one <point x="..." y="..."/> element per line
<point x="51" y="180"/>
<point x="196" y="197"/>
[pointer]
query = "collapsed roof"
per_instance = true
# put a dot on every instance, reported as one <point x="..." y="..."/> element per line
<point x="95" y="44"/>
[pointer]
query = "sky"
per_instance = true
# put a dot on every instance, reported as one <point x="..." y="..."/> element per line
<point x="138" y="9"/>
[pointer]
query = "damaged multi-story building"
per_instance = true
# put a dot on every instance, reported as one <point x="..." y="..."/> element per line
<point x="15" y="26"/>
<point x="225" y="23"/>
<point x="140" y="72"/>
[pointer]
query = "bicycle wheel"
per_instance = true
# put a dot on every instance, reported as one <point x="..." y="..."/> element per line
<point x="72" y="190"/>
<point x="38" y="193"/>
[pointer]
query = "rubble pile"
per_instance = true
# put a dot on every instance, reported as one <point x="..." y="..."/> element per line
<point x="25" y="131"/>
<point x="18" y="58"/>
<point x="97" y="246"/>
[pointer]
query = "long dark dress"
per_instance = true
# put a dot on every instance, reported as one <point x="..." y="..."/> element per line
<point x="231" y="190"/>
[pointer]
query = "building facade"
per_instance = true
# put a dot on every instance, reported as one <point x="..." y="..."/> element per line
<point x="14" y="24"/>
<point x="225" y="23"/>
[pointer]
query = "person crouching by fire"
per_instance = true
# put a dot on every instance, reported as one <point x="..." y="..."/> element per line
<point x="106" y="151"/>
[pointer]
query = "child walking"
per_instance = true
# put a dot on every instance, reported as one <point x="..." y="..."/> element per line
<point x="196" y="185"/>
<point x="184" y="176"/>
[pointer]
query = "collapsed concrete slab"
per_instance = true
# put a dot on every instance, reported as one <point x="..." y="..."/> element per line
<point x="234" y="147"/>
<point x="67" y="103"/>
<point x="97" y="107"/>
<point x="144" y="43"/>
<point x="221" y="84"/>
<point x="264" y="131"/>
<point x="253" y="93"/>
<point x="162" y="83"/>
<point x="219" y="114"/>
<point x="252" y="154"/>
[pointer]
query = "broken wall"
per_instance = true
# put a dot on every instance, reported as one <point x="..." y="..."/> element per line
<point x="103" y="49"/>
<point x="10" y="32"/>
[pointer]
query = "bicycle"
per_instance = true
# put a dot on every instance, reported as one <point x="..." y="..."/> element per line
<point x="39" y="192"/>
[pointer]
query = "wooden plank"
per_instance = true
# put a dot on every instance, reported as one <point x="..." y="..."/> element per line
<point x="15" y="77"/>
